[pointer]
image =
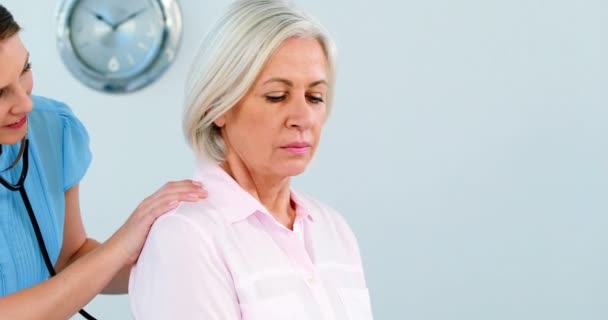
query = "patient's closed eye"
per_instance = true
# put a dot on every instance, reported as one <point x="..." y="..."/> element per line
<point x="315" y="99"/>
<point x="275" y="98"/>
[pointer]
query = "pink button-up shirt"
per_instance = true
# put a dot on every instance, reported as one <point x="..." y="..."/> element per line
<point x="226" y="257"/>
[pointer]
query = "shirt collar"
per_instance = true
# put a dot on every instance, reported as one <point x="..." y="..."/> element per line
<point x="301" y="208"/>
<point x="227" y="194"/>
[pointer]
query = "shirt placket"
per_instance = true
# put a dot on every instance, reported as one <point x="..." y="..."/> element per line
<point x="297" y="245"/>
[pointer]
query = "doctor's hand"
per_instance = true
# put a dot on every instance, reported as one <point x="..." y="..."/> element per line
<point x="131" y="236"/>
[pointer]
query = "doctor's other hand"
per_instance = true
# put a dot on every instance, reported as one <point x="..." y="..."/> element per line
<point x="131" y="236"/>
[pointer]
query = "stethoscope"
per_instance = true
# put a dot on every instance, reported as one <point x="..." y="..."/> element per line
<point x="19" y="186"/>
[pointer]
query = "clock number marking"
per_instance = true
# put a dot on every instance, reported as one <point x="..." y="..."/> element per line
<point x="170" y="54"/>
<point x="151" y="33"/>
<point x="113" y="64"/>
<point x="84" y="44"/>
<point x="78" y="29"/>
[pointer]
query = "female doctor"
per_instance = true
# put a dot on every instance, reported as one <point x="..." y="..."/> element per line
<point x="44" y="150"/>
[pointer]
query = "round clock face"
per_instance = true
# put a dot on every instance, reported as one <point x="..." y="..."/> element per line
<point x="118" y="45"/>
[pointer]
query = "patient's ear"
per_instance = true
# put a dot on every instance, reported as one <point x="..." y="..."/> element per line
<point x="220" y="121"/>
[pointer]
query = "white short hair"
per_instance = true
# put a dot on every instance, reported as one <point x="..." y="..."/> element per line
<point x="230" y="59"/>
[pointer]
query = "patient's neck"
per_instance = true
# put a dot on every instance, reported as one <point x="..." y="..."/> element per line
<point x="272" y="191"/>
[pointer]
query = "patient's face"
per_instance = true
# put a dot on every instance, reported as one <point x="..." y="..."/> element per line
<point x="275" y="128"/>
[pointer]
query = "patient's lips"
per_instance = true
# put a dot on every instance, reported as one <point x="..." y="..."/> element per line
<point x="297" y="147"/>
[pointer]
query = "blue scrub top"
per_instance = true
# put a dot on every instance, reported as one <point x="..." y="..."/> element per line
<point x="59" y="156"/>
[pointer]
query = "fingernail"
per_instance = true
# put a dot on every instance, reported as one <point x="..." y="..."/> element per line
<point x="173" y="203"/>
<point x="196" y="183"/>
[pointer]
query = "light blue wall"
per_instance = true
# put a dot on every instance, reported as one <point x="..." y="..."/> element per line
<point x="467" y="148"/>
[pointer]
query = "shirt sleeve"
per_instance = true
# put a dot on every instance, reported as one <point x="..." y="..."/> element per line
<point x="181" y="275"/>
<point x="76" y="153"/>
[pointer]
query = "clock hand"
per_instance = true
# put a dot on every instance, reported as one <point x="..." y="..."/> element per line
<point x="129" y="17"/>
<point x="100" y="17"/>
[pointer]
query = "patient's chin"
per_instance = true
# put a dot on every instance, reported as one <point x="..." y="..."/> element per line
<point x="292" y="168"/>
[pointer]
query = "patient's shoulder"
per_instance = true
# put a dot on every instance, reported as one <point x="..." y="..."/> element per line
<point x="201" y="217"/>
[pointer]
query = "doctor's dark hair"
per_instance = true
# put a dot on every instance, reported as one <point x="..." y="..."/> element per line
<point x="8" y="25"/>
<point x="231" y="57"/>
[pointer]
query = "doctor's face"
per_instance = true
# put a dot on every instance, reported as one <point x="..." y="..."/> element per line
<point x="15" y="89"/>
<point x="275" y="129"/>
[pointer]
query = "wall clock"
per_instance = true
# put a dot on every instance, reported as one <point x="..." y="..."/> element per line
<point x="118" y="46"/>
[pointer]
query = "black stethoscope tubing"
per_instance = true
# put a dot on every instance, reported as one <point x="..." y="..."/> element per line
<point x="19" y="186"/>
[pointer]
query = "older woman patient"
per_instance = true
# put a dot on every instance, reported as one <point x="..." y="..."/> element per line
<point x="260" y="92"/>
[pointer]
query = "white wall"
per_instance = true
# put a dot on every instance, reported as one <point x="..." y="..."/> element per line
<point x="468" y="149"/>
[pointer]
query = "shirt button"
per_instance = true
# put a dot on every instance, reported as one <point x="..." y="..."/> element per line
<point x="311" y="280"/>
